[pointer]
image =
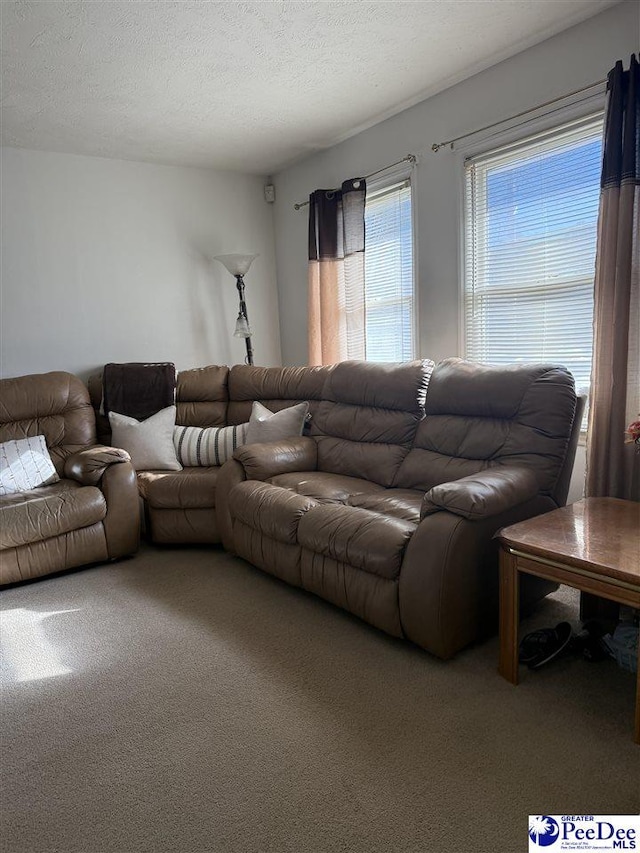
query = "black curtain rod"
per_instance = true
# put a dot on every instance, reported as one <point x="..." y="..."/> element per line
<point x="438" y="145"/>
<point x="410" y="158"/>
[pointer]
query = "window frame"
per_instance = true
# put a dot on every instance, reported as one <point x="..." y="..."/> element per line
<point x="590" y="106"/>
<point x="404" y="175"/>
<point x="537" y="128"/>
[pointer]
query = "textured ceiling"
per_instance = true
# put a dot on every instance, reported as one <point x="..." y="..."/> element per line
<point x="249" y="86"/>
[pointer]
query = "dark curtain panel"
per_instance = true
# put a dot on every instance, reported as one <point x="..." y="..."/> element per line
<point x="336" y="273"/>
<point x="613" y="467"/>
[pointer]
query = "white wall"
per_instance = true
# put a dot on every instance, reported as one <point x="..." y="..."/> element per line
<point x="577" y="57"/>
<point x="107" y="260"/>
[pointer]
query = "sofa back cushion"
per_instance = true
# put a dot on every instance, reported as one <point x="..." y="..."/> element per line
<point x="202" y="396"/>
<point x="479" y="417"/>
<point x="275" y="387"/>
<point x="367" y="420"/>
<point x="55" y="405"/>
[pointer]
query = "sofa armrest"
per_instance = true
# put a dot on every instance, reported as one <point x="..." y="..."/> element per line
<point x="482" y="495"/>
<point x="87" y="466"/>
<point x="231" y="473"/>
<point x="261" y="461"/>
<point x="448" y="585"/>
<point x="119" y="486"/>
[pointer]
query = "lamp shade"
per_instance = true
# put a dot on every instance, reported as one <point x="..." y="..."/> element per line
<point x="243" y="329"/>
<point x="236" y="264"/>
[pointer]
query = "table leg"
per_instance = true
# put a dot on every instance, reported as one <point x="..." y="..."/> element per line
<point x="509" y="616"/>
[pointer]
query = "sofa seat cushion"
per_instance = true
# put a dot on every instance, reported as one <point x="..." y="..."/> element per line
<point x="49" y="511"/>
<point x="191" y="488"/>
<point x="272" y="511"/>
<point x="398" y="503"/>
<point x="324" y="487"/>
<point x="366" y="540"/>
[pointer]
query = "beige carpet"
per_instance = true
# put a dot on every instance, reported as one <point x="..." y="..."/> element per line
<point x="184" y="701"/>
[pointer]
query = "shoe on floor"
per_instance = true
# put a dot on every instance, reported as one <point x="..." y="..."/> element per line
<point x="555" y="642"/>
<point x="533" y="645"/>
<point x="588" y="642"/>
<point x="541" y="646"/>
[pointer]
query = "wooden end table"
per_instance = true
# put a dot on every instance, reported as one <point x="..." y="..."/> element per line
<point x="592" y="545"/>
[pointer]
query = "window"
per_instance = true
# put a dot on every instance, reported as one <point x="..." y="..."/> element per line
<point x="531" y="213"/>
<point x="388" y="274"/>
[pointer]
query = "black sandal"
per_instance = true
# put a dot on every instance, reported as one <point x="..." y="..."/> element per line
<point x="541" y="646"/>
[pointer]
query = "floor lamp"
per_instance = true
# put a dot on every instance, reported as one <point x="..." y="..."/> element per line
<point x="238" y="266"/>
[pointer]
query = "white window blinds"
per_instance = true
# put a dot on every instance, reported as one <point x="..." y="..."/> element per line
<point x="389" y="287"/>
<point x="531" y="213"/>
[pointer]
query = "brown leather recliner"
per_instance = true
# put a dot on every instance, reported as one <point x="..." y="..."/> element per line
<point x="91" y="513"/>
<point x="389" y="509"/>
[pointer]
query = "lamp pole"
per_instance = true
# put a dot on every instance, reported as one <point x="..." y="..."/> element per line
<point x="243" y="312"/>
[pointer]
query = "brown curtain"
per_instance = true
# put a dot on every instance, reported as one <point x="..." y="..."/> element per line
<point x="613" y="467"/>
<point x="336" y="273"/>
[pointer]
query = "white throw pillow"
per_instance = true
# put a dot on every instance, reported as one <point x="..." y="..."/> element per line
<point x="265" y="425"/>
<point x="25" y="464"/>
<point x="148" y="442"/>
<point x="206" y="446"/>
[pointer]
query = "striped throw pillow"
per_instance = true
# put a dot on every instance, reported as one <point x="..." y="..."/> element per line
<point x="25" y="464"/>
<point x="206" y="446"/>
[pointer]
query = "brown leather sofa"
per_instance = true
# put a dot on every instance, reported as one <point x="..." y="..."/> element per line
<point x="91" y="513"/>
<point x="179" y="507"/>
<point x="389" y="508"/>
